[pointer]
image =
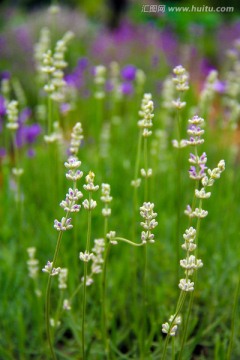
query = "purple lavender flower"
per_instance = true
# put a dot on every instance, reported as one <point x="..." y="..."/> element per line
<point x="155" y="60"/>
<point x="3" y="152"/>
<point x="127" y="88"/>
<point x="129" y="72"/>
<point x="2" y="111"/>
<point x="76" y="77"/>
<point x="82" y="64"/>
<point x="32" y="132"/>
<point x="219" y="86"/>
<point x="27" y="134"/>
<point x="24" y="115"/>
<point x="31" y="152"/>
<point x="65" y="108"/>
<point x="109" y="86"/>
<point x="5" y="75"/>
<point x="2" y="106"/>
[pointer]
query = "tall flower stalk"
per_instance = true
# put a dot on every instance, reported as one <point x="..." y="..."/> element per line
<point x="69" y="205"/>
<point x="145" y="124"/>
<point x="88" y="204"/>
<point x="181" y="86"/>
<point x="191" y="263"/>
<point x="106" y="212"/>
<point x="13" y="125"/>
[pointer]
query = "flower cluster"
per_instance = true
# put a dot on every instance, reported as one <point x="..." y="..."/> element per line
<point x="167" y="93"/>
<point x="89" y="186"/>
<point x="111" y="236"/>
<point x="48" y="268"/>
<point x="76" y="138"/>
<point x="69" y="204"/>
<point x="171" y="326"/>
<point x="198" y="166"/>
<point x="190" y="263"/>
<point x="146" y="211"/>
<point x="106" y="199"/>
<point x="63" y="225"/>
<point x="32" y="263"/>
<point x="195" y="131"/>
<point x="62" y="278"/>
<point x="53" y="65"/>
<point x="209" y="90"/>
<point x="181" y="78"/>
<point x="100" y="79"/>
<point x="41" y="47"/>
<point x="12" y="115"/>
<point x="96" y="256"/>
<point x="66" y="305"/>
<point x="56" y="134"/>
<point x="181" y="85"/>
<point x="73" y="173"/>
<point x="97" y="259"/>
<point x="146" y="113"/>
<point x="86" y="256"/>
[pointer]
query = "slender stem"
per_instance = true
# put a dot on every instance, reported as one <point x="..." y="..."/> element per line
<point x="179" y="192"/>
<point x="190" y="305"/>
<point x="180" y="304"/>
<point x="234" y="311"/>
<point x="17" y="165"/>
<point x="128" y="241"/>
<point x="85" y="277"/>
<point x="173" y="348"/>
<point x="137" y="164"/>
<point x="48" y="291"/>
<point x="103" y="297"/>
<point x="104" y="314"/>
<point x="49" y="115"/>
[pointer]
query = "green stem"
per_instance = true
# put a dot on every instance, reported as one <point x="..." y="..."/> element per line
<point x="180" y="304"/>
<point x="49" y="115"/>
<point x="104" y="315"/>
<point x="85" y="277"/>
<point x="146" y="168"/>
<point x="128" y="241"/>
<point x="48" y="291"/>
<point x="179" y="193"/>
<point x="190" y="305"/>
<point x="103" y="300"/>
<point x="234" y="311"/>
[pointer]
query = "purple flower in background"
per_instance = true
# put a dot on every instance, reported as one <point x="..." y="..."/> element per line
<point x="5" y="75"/>
<point x="3" y="152"/>
<point x="77" y="77"/>
<point x="219" y="86"/>
<point x="2" y="111"/>
<point x="65" y="108"/>
<point x="82" y="64"/>
<point x="109" y="86"/>
<point x="129" y="72"/>
<point x="31" y="152"/>
<point x="127" y="88"/>
<point x="24" y="115"/>
<point x="27" y="134"/>
<point x="155" y="60"/>
<point x="31" y="132"/>
<point x="2" y="106"/>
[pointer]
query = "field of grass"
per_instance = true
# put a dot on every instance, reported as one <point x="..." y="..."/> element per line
<point x="143" y="259"/>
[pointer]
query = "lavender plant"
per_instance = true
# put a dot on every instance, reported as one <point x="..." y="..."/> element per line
<point x="69" y="205"/>
<point x="191" y="263"/>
